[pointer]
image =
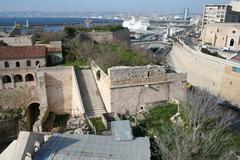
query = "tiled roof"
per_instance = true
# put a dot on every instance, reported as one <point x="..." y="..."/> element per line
<point x="22" y="52"/>
<point x="54" y="49"/>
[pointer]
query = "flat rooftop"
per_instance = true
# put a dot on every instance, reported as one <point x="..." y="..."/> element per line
<point x="93" y="147"/>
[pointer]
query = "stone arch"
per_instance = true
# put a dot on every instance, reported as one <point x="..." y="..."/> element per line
<point x="33" y="112"/>
<point x="6" y="79"/>
<point x="29" y="77"/>
<point x="18" y="78"/>
<point x="98" y="75"/>
<point x="231" y="42"/>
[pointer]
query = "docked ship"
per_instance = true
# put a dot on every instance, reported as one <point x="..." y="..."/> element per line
<point x="134" y="24"/>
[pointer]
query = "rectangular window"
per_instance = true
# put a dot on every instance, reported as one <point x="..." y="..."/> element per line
<point x="37" y="63"/>
<point x="236" y="69"/>
<point x="6" y="64"/>
<point x="28" y="63"/>
<point x="17" y="64"/>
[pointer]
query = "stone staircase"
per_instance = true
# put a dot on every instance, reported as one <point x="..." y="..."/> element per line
<point x="91" y="98"/>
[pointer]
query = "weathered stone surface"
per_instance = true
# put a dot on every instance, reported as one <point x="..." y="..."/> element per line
<point x="208" y="72"/>
<point x="128" y="89"/>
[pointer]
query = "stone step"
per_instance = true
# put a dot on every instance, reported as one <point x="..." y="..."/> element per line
<point x="90" y="95"/>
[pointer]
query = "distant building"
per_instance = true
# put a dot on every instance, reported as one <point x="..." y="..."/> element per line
<point x="186" y="14"/>
<point x="54" y="53"/>
<point x="222" y="35"/>
<point x="22" y="56"/>
<point x="235" y="5"/>
<point x="219" y="13"/>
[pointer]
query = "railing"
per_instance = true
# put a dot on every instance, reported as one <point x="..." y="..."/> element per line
<point x="211" y="58"/>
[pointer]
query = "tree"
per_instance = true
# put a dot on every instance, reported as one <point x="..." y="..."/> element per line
<point x="202" y="136"/>
<point x="70" y="32"/>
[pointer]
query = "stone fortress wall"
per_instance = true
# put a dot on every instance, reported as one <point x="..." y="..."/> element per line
<point x="119" y="36"/>
<point x="18" y="40"/>
<point x="208" y="72"/>
<point x="62" y="91"/>
<point x="53" y="89"/>
<point x="17" y="92"/>
<point x="129" y="89"/>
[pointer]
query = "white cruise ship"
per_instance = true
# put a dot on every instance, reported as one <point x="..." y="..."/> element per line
<point x="134" y="24"/>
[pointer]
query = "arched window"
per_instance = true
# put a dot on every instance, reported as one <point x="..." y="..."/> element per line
<point x="6" y="79"/>
<point x="29" y="77"/>
<point x="18" y="78"/>
<point x="98" y="74"/>
<point x="232" y="42"/>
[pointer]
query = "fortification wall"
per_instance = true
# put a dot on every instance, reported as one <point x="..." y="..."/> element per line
<point x="59" y="88"/>
<point x="18" y="97"/>
<point x="102" y="37"/>
<point x="18" y="94"/>
<point x="77" y="104"/>
<point x="104" y="84"/>
<point x="18" y="41"/>
<point x="208" y="72"/>
<point x="128" y="89"/>
<point x="133" y="88"/>
<point x="120" y="36"/>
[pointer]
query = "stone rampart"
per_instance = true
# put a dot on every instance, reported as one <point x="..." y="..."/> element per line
<point x="208" y="72"/>
<point x="129" y="89"/>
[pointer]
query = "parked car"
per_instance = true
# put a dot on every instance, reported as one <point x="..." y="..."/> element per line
<point x="226" y="49"/>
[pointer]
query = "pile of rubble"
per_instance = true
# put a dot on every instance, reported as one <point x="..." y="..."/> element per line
<point x="77" y="126"/>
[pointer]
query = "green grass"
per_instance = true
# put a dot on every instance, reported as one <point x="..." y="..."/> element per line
<point x="77" y="64"/>
<point x="157" y="118"/>
<point x="235" y="143"/>
<point x="97" y="122"/>
<point x="107" y="28"/>
<point x="126" y="57"/>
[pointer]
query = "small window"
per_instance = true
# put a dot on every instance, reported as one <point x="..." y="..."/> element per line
<point x="17" y="64"/>
<point x="6" y="64"/>
<point x="233" y="31"/>
<point x="28" y="63"/>
<point x="37" y="63"/>
<point x="217" y="30"/>
<point x="98" y="74"/>
<point x="231" y="43"/>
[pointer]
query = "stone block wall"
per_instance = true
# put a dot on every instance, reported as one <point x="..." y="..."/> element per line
<point x="18" y="41"/>
<point x="59" y="89"/>
<point x="18" y="94"/>
<point x="128" y="89"/>
<point x="208" y="72"/>
<point x="103" y="84"/>
<point x="62" y="91"/>
<point x="102" y="37"/>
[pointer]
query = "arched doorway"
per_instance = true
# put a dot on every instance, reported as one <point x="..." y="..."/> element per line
<point x="33" y="113"/>
<point x="29" y="77"/>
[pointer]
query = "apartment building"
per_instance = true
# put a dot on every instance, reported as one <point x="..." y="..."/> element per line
<point x="219" y="13"/>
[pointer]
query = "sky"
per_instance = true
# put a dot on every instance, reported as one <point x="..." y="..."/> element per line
<point x="161" y="6"/>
